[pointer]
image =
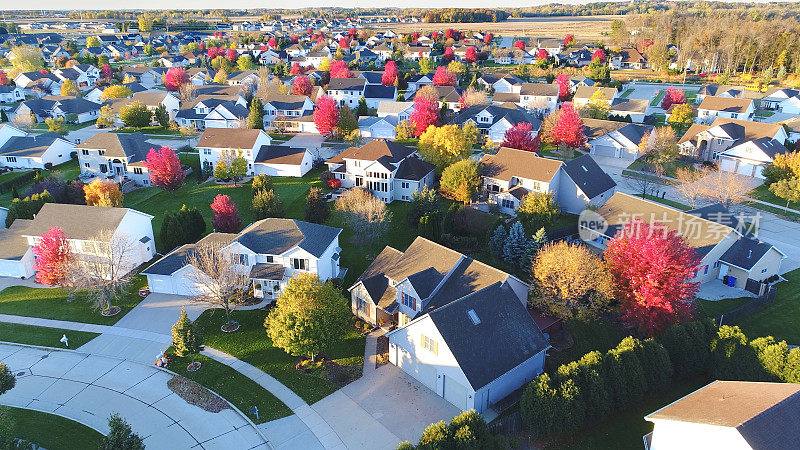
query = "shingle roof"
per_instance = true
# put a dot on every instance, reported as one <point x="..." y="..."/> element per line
<point x="595" y="128"/>
<point x="379" y="91"/>
<point x="413" y="168"/>
<point x="280" y="154"/>
<point x="765" y="414"/>
<point x="510" y="162"/>
<point x="133" y="146"/>
<point x="629" y="105"/>
<point x="540" y="89"/>
<point x="268" y="271"/>
<point x="32" y="146"/>
<point x="77" y="221"/>
<point x="589" y="177"/>
<point x="374" y="150"/>
<point x="286" y="102"/>
<point x="505" y="337"/>
<point x="587" y="91"/>
<point x="13" y="245"/>
<point x="275" y="236"/>
<point x="229" y="138"/>
<point x="179" y="257"/>
<point x="347" y="84"/>
<point x="736" y="105"/>
<point x="745" y="252"/>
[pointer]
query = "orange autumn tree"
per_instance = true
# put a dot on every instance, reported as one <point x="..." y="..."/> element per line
<point x="103" y="193"/>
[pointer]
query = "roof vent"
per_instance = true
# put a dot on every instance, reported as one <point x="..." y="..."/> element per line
<point x="473" y="317"/>
<point x="584" y="168"/>
<point x="749" y="254"/>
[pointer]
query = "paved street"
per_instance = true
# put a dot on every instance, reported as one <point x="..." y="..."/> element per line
<point x="89" y="388"/>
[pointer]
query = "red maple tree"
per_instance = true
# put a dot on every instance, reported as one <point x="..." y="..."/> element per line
<point x="520" y="44"/>
<point x="599" y="55"/>
<point x="415" y="36"/>
<point x="3" y="78"/>
<point x="232" y="55"/>
<point x="344" y="42"/>
<point x="520" y="137"/>
<point x="448" y="55"/>
<point x="175" y="78"/>
<point x="390" y="73"/>
<point x="302" y="85"/>
<point x="471" y="55"/>
<point x="487" y="38"/>
<point x="451" y="33"/>
<point x="425" y="114"/>
<point x="542" y="54"/>
<point x="339" y="69"/>
<point x="53" y="257"/>
<point x="653" y="268"/>
<point x="106" y="72"/>
<point x="568" y="129"/>
<point x="563" y="82"/>
<point x="272" y="42"/>
<point x="226" y="214"/>
<point x="326" y="115"/>
<point x="444" y="77"/>
<point x="673" y="96"/>
<point x="295" y="69"/>
<point x="165" y="169"/>
<point x="352" y="32"/>
<point x="435" y="35"/>
<point x="569" y="39"/>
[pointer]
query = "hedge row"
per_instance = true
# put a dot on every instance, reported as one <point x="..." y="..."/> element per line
<point x="27" y="207"/>
<point x="17" y="182"/>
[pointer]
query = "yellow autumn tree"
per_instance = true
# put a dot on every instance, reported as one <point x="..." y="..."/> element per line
<point x="598" y="106"/>
<point x="116" y="91"/>
<point x="221" y="77"/>
<point x="442" y="146"/>
<point x="103" y="193"/>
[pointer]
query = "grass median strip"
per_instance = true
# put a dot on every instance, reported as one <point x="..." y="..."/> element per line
<point x="51" y="431"/>
<point x="43" y="336"/>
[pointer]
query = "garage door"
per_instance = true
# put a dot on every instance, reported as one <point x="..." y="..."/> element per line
<point x="426" y="375"/>
<point x="161" y="284"/>
<point x="454" y="392"/>
<point x="604" y="150"/>
<point x="746" y="169"/>
<point x="383" y="132"/>
<point x="727" y="165"/>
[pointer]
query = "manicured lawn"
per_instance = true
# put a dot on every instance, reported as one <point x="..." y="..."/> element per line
<point x="251" y="344"/>
<point x="714" y="309"/>
<point x="624" y="429"/>
<point x="236" y="388"/>
<point x="152" y="200"/>
<point x="779" y="211"/>
<point x="670" y="168"/>
<point x="48" y="303"/>
<point x="149" y="130"/>
<point x="53" y="432"/>
<point x="68" y="170"/>
<point x="668" y="202"/>
<point x="46" y="337"/>
<point x="657" y="99"/>
<point x="587" y="336"/>
<point x="781" y="319"/>
<point x="626" y="93"/>
<point x="70" y="126"/>
<point x="765" y="195"/>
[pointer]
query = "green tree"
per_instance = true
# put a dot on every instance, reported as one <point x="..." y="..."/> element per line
<point x="267" y="204"/>
<point x="537" y="210"/>
<point x="497" y="241"/>
<point x="426" y="65"/>
<point x="7" y="379"/>
<point x="732" y="357"/>
<point x="430" y="226"/>
<point x="787" y="189"/>
<point x="93" y="41"/>
<point x="422" y="202"/>
<point x="362" y="109"/>
<point x="107" y="117"/>
<point x="27" y="58"/>
<point x="255" y="119"/>
<point x="187" y="339"/>
<point x="261" y="182"/>
<point x="516" y="244"/>
<point x="135" y="115"/>
<point x="461" y="180"/>
<point x="347" y="120"/>
<point x="120" y="436"/>
<point x="317" y="210"/>
<point x="310" y="317"/>
<point x="56" y="125"/>
<point x="161" y="115"/>
<point x="230" y="166"/>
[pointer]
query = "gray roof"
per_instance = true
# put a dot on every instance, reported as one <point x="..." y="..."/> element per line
<point x="413" y="168"/>
<point x="629" y="105"/>
<point x="268" y="271"/>
<point x="179" y="257"/>
<point x="347" y="84"/>
<point x="275" y="236"/>
<point x="718" y="213"/>
<point x="745" y="252"/>
<point x="505" y="337"/>
<point x="509" y="111"/>
<point x="589" y="177"/>
<point x="31" y="146"/>
<point x="133" y="146"/>
<point x="13" y="245"/>
<point x="77" y="221"/>
<point x="634" y="131"/>
<point x="770" y="146"/>
<point x="379" y="91"/>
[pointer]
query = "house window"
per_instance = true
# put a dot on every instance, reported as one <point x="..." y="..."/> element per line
<point x="300" y="264"/>
<point x="363" y="306"/>
<point x="537" y="186"/>
<point x="716" y="264"/>
<point x="506" y="203"/>
<point x="102" y="152"/>
<point x="11" y="159"/>
<point x="764" y="270"/>
<point x="85" y="152"/>
<point x="408" y="301"/>
<point x="270" y="259"/>
<point x="405" y="185"/>
<point x="137" y="170"/>
<point x="103" y="168"/>
<point x="430" y="345"/>
<point x="240" y="259"/>
<point x="87" y="165"/>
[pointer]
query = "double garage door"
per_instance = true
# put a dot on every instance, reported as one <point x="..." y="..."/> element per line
<point x="174" y="284"/>
<point x="604" y="150"/>
<point x="740" y="167"/>
<point x="450" y="389"/>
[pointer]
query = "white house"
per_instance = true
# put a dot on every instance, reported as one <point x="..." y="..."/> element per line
<point x="786" y="101"/>
<point x="620" y="143"/>
<point x="463" y="328"/>
<point x="60" y="107"/>
<point x="503" y="83"/>
<point x="282" y="161"/>
<point x="377" y="127"/>
<point x="271" y="251"/>
<point x="388" y="170"/>
<point x="244" y="142"/>
<point x="583" y="94"/>
<point x="7" y="131"/>
<point x="35" y="151"/>
<point x="347" y="91"/>
<point x="511" y="174"/>
<point x="731" y="415"/>
<point x="82" y="225"/>
<point x="213" y="112"/>
<point x="750" y="157"/>
<point x="707" y="142"/>
<point x="634" y="108"/>
<point x="494" y="120"/>
<point x="539" y="97"/>
<point x="116" y="156"/>
<point x="11" y="94"/>
<point x="83" y="75"/>
<point x="399" y="111"/>
<point x="280" y="105"/>
<point x="375" y="94"/>
<point x="730" y="108"/>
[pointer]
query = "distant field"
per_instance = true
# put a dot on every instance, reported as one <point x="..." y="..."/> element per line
<point x="589" y="27"/>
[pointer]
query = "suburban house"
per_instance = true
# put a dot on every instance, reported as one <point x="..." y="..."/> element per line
<point x="243" y="77"/>
<point x="494" y="120"/>
<point x="82" y="225"/>
<point x="7" y="131"/>
<point x="417" y="81"/>
<point x="708" y="142"/>
<point x="271" y="251"/>
<point x="83" y="75"/>
<point x="389" y="170"/>
<point x="34" y="151"/>
<point x="173" y="61"/>
<point x="375" y="94"/>
<point x="511" y="174"/>
<point x="726" y="250"/>
<point x="149" y="77"/>
<point x="378" y="127"/>
<point x="622" y="142"/>
<point x="716" y="90"/>
<point x="347" y="91"/>
<point x="541" y="98"/>
<point x="56" y="106"/>
<point x="398" y="110"/>
<point x="116" y="156"/>
<point x="282" y="161"/>
<point x="281" y="105"/>
<point x="449" y="95"/>
<point x="729" y="108"/>
<point x="43" y="82"/>
<point x="731" y="415"/>
<point x="786" y="101"/>
<point x="210" y="111"/>
<point x="11" y="94"/>
<point x="751" y="157"/>
<point x="628" y="58"/>
<point x="634" y="108"/>
<point x="463" y="327"/>
<point x="255" y="147"/>
<point x="503" y="83"/>
<point x="583" y="94"/>
<point x="200" y="75"/>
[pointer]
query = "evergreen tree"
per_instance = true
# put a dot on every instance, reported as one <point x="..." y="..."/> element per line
<point x="267" y="204"/>
<point x="430" y="226"/>
<point x="120" y="436"/>
<point x="516" y="244"/>
<point x="187" y="338"/>
<point x="497" y="241"/>
<point x="3" y="116"/>
<point x="362" y="109"/>
<point x="317" y="210"/>
<point x="255" y="119"/>
<point x="161" y="115"/>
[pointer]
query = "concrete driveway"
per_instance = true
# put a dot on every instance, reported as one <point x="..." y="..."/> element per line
<point x="89" y="388"/>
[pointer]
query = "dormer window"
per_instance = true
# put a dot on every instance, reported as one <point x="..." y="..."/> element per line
<point x="408" y="301"/>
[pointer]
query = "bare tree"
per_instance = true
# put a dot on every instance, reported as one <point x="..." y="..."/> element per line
<point x="106" y="263"/>
<point x="218" y="279"/>
<point x="187" y="92"/>
<point x="539" y="107"/>
<point x="690" y="186"/>
<point x="645" y="183"/>
<point x="725" y="187"/>
<point x="365" y="214"/>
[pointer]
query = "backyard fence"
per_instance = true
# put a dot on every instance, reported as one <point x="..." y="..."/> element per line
<point x="733" y="316"/>
<point x="507" y="425"/>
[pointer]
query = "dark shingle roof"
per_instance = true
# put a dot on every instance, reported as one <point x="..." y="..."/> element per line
<point x="268" y="271"/>
<point x="280" y="154"/>
<point x="589" y="177"/>
<point x="347" y="84"/>
<point x="505" y="337"/>
<point x="745" y="253"/>
<point x="133" y="146"/>
<point x="179" y="257"/>
<point x="274" y="236"/>
<point x="29" y="146"/>
<point x="413" y="168"/>
<point x="374" y="150"/>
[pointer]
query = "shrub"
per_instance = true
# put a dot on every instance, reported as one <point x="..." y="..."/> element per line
<point x="267" y="204"/>
<point x="261" y="182"/>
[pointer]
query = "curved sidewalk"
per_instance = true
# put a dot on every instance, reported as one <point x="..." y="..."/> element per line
<point x="89" y="388"/>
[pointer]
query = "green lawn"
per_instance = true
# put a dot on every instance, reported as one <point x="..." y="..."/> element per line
<point x="624" y="429"/>
<point x="53" y="432"/>
<point x="668" y="202"/>
<point x="781" y="319"/>
<point x="149" y="130"/>
<point x="587" y="336"/>
<point x="68" y="170"/>
<point x="43" y="336"/>
<point x="70" y="126"/>
<point x="714" y="309"/>
<point x="626" y="93"/>
<point x="765" y="195"/>
<point x="656" y="101"/>
<point x="251" y="344"/>
<point x="152" y="200"/>
<point x="779" y="211"/>
<point x="670" y="168"/>
<point x="48" y="303"/>
<point x="236" y="388"/>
